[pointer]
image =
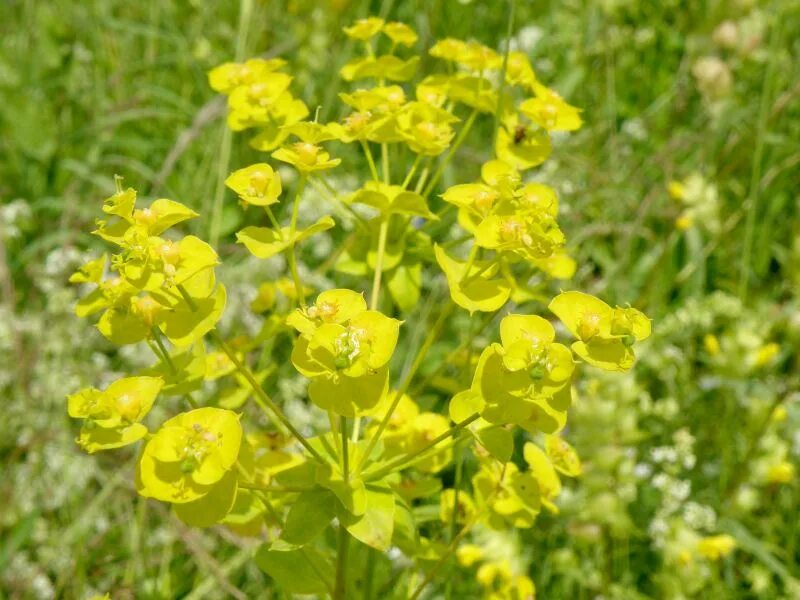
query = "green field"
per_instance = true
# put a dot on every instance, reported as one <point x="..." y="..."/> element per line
<point x="679" y="196"/>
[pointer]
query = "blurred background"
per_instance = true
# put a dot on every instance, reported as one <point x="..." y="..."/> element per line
<point x="679" y="196"/>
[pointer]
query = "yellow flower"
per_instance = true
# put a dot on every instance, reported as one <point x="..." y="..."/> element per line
<point x="251" y="105"/>
<point x="676" y="190"/>
<point x="716" y="547"/>
<point x="286" y="110"/>
<point x="779" y="415"/>
<point x="529" y="234"/>
<point x="522" y="146"/>
<point x="380" y="99"/>
<point x="501" y="175"/>
<point x="380" y="67"/>
<point x="365" y="29"/>
<point x="448" y="49"/>
<point x="711" y="344"/>
<point x="765" y="354"/>
<point x="550" y="111"/>
<point x="545" y="475"/>
<point x="466" y="507"/>
<point x="471" y="55"/>
<point x="425" y="128"/>
<point x="563" y="456"/>
<point x="606" y="335"/>
<point x="257" y="184"/>
<point x="226" y="77"/>
<point x="400" y="33"/>
<point x="306" y="157"/>
<point x="519" y="71"/>
<point x="189" y="454"/>
<point x="512" y="497"/>
<point x="783" y="472"/>
<point x="468" y="554"/>
<point x="332" y="306"/>
<point x="112" y="417"/>
<point x="684" y="222"/>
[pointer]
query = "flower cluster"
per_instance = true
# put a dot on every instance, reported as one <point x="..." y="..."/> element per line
<point x="388" y="452"/>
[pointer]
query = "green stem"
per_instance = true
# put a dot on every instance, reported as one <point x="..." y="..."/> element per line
<point x="340" y="587"/>
<point x="454" y="543"/>
<point x="245" y="14"/>
<point x="290" y="251"/>
<point x="423" y="177"/>
<point x="261" y="397"/>
<point x="473" y="254"/>
<point x="503" y="71"/>
<point x="450" y="358"/>
<point x="370" y="161"/>
<point x="264" y="401"/>
<point x="165" y="357"/>
<point x="369" y="573"/>
<point x="283" y="489"/>
<point x="345" y="449"/>
<point x="323" y="185"/>
<point x="438" y="450"/>
<point x="160" y="350"/>
<point x="335" y="432"/>
<point x="459" y="459"/>
<point x="274" y="222"/>
<point x="448" y="157"/>
<point x="376" y="279"/>
<point x="385" y="163"/>
<point x="413" y="170"/>
<point x="399" y="462"/>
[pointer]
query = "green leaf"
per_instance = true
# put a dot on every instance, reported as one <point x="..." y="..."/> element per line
<point x="465" y="404"/>
<point x="302" y="475"/>
<point x="375" y="526"/>
<point x="472" y="291"/>
<point x="122" y="328"/>
<point x="185" y="325"/>
<point x="351" y="494"/>
<point x="349" y="396"/>
<point x="302" y="571"/>
<point x="405" y="535"/>
<point x="264" y="242"/>
<point x="190" y="368"/>
<point x="498" y="441"/>
<point x="404" y="284"/>
<point x="308" y="516"/>
<point x="211" y="508"/>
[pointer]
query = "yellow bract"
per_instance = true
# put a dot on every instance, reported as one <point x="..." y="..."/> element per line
<point x="344" y="348"/>
<point x="521" y="145"/>
<point x="550" y="111"/>
<point x="606" y="335"/>
<point x="227" y="77"/>
<point x="112" y="417"/>
<point x="257" y="184"/>
<point x="365" y="29"/>
<point x="189" y="454"/>
<point x="716" y="547"/>
<point x="306" y="157"/>
<point x="525" y="381"/>
<point x="545" y="475"/>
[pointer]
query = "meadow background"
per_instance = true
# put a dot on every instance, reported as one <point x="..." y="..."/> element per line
<point x="679" y="196"/>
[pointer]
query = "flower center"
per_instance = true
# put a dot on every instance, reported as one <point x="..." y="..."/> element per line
<point x="589" y="326"/>
<point x="306" y="152"/>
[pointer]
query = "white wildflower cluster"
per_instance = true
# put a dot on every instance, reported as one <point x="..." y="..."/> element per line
<point x="12" y="218"/>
